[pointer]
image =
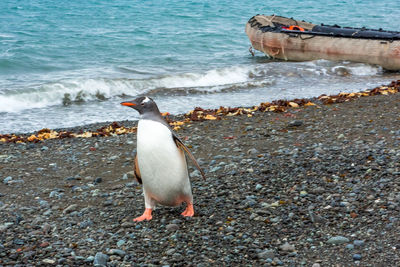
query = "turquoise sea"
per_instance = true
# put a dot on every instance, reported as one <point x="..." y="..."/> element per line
<point x="68" y="63"/>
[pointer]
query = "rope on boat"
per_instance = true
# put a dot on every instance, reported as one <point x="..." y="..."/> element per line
<point x="270" y="20"/>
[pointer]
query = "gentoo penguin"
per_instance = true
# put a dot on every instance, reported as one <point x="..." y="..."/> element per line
<point x="160" y="163"/>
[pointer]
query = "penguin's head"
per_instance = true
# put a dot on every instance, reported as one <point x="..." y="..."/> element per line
<point x="143" y="105"/>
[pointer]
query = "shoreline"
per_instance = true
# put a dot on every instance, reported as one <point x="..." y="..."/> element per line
<point x="316" y="185"/>
<point x="198" y="114"/>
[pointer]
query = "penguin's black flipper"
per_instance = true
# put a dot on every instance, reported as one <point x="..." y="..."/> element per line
<point x="136" y="170"/>
<point x="182" y="146"/>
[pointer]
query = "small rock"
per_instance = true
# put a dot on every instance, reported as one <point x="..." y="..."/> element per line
<point x="120" y="243"/>
<point x="170" y="251"/>
<point x="287" y="247"/>
<point x="130" y="175"/>
<point x="172" y="227"/>
<point x="303" y="193"/>
<point x="295" y="123"/>
<point x="85" y="223"/>
<point x="98" y="180"/>
<point x="357" y="257"/>
<point x="358" y="243"/>
<point x="70" y="208"/>
<point x="5" y="226"/>
<point x="252" y="151"/>
<point x="258" y="187"/>
<point x="100" y="259"/>
<point x="132" y="184"/>
<point x="7" y="179"/>
<point x="195" y="173"/>
<point x="214" y="169"/>
<point x="176" y="221"/>
<point x="95" y="192"/>
<point x="89" y="259"/>
<point x="113" y="157"/>
<point x="338" y="240"/>
<point x="127" y="224"/>
<point x="56" y="194"/>
<point x="117" y="252"/>
<point x="48" y="261"/>
<point x="43" y="203"/>
<point x="266" y="254"/>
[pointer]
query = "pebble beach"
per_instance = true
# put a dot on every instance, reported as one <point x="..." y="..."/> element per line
<point x="315" y="185"/>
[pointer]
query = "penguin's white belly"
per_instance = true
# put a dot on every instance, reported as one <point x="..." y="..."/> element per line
<point x="162" y="165"/>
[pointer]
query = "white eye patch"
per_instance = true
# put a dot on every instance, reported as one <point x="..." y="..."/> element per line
<point x="146" y="100"/>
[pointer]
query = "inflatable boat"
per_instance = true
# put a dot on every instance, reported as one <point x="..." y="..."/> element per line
<point x="290" y="39"/>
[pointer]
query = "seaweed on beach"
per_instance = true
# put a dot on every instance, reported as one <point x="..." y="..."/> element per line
<point x="200" y="114"/>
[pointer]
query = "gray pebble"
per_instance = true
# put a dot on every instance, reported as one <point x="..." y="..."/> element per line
<point x="86" y="223"/>
<point x="295" y="123"/>
<point x="43" y="203"/>
<point x="287" y="247"/>
<point x="100" y="259"/>
<point x="266" y="254"/>
<point x="338" y="240"/>
<point x="252" y="151"/>
<point x="117" y="252"/>
<point x="120" y="243"/>
<point x="7" y="179"/>
<point x="70" y="208"/>
<point x="113" y="157"/>
<point x="170" y="251"/>
<point x="89" y="259"/>
<point x="172" y="227"/>
<point x="358" y="243"/>
<point x="357" y="257"/>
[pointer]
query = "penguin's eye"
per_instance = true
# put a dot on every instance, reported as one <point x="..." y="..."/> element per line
<point x="142" y="104"/>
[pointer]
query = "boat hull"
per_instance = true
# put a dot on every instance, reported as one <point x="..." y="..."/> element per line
<point x="302" y="46"/>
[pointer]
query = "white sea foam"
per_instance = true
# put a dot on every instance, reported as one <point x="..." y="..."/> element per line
<point x="365" y="70"/>
<point x="89" y="89"/>
<point x="67" y="91"/>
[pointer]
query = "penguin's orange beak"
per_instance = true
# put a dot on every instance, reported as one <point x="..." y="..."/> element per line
<point x="128" y="104"/>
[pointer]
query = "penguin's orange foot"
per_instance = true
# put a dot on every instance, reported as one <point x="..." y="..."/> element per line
<point x="146" y="216"/>
<point x="189" y="211"/>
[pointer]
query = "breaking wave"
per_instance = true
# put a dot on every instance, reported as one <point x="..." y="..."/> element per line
<point x="80" y="90"/>
<point x="242" y="77"/>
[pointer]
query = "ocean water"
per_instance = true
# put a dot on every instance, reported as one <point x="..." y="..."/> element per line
<point x="69" y="63"/>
